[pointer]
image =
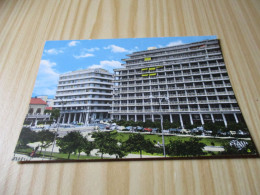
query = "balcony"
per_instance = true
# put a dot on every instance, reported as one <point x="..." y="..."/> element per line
<point x="183" y="110"/>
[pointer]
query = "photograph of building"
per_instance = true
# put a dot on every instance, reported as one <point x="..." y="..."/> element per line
<point x="152" y="98"/>
<point x="186" y="83"/>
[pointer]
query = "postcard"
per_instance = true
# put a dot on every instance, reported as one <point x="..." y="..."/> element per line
<point x="133" y="99"/>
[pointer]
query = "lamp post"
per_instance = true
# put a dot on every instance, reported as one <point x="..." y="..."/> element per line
<point x="58" y="125"/>
<point x="160" y="109"/>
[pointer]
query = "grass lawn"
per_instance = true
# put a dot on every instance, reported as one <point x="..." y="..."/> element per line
<point x="167" y="138"/>
<point x="56" y="156"/>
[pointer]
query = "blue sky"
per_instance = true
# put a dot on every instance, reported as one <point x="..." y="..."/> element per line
<point x="65" y="56"/>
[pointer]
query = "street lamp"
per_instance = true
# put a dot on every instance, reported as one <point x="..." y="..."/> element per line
<point x="160" y="109"/>
<point x="58" y="125"/>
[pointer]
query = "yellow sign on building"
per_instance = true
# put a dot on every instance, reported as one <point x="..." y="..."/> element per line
<point x="147" y="59"/>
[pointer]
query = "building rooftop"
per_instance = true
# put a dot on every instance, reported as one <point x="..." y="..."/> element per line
<point x="37" y="101"/>
<point x="169" y="47"/>
<point x="101" y="70"/>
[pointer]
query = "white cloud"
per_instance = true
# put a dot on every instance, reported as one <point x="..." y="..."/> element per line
<point x="174" y="43"/>
<point x="91" y="49"/>
<point x="53" y="51"/>
<point x="116" y="49"/>
<point x="73" y="43"/>
<point x="83" y="55"/>
<point x="47" y="79"/>
<point x="107" y="64"/>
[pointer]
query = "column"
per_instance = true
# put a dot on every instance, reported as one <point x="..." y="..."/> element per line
<point x="63" y="120"/>
<point x="144" y="118"/>
<point x="225" y="121"/>
<point x="201" y="119"/>
<point x="235" y="115"/>
<point x="69" y="118"/>
<point x="152" y="118"/>
<point x="191" y="121"/>
<point x="135" y="117"/>
<point x="86" y="120"/>
<point x="171" y="118"/>
<point x="74" y="120"/>
<point x="119" y="117"/>
<point x="112" y="117"/>
<point x="80" y="117"/>
<point x="127" y="117"/>
<point x="212" y="118"/>
<point x="181" y="121"/>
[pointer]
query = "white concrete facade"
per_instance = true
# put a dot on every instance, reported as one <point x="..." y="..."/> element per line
<point x="187" y="84"/>
<point x="84" y="96"/>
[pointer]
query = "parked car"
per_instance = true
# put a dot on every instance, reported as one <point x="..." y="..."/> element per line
<point x="185" y="131"/>
<point x="148" y="129"/>
<point x="174" y="130"/>
<point x="232" y="133"/>
<point x="129" y="128"/>
<point x="208" y="132"/>
<point x="240" y="132"/>
<point x="165" y="131"/>
<point x="138" y="128"/>
<point x="113" y="127"/>
<point x="155" y="130"/>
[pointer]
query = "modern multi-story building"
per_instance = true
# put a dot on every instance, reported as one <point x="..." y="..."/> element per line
<point x="188" y="83"/>
<point x="84" y="96"/>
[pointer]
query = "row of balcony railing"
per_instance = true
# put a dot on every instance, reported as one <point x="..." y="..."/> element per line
<point x="85" y="110"/>
<point x="87" y="82"/>
<point x="83" y="93"/>
<point x="208" y="65"/>
<point x="175" y="103"/>
<point x="159" y="83"/>
<point x="174" y="88"/>
<point x="177" y="95"/>
<point x="39" y="116"/>
<point x="171" y="75"/>
<point x="83" y="88"/>
<point x="176" y="80"/>
<point x="86" y="76"/>
<point x="166" y="53"/>
<point x="191" y="57"/>
<point x="178" y="74"/>
<point x="178" y="110"/>
<point x="176" y="51"/>
<point x="172" y="62"/>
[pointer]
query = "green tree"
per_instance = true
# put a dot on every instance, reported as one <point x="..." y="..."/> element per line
<point x="175" y="125"/>
<point x="105" y="142"/>
<point x="87" y="146"/>
<point x="137" y="143"/>
<point x="55" y="114"/>
<point x="26" y="136"/>
<point x="166" y="124"/>
<point x="214" y="127"/>
<point x="192" y="147"/>
<point x="72" y="142"/>
<point x="46" y="138"/>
